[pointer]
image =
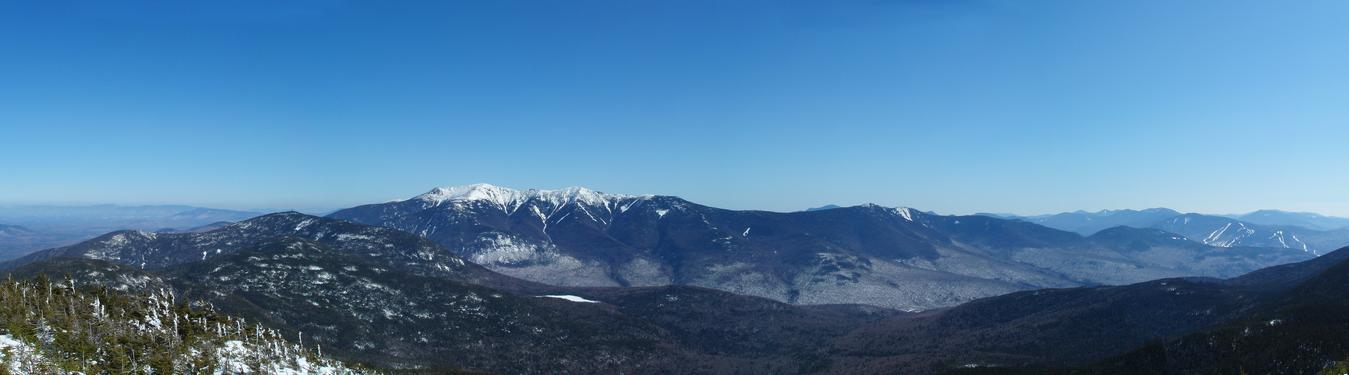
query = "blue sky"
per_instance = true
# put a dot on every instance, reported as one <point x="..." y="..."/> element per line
<point x="955" y="106"/>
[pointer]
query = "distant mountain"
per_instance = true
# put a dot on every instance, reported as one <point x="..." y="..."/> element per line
<point x="17" y="240"/>
<point x="1087" y="223"/>
<point x="1296" y="219"/>
<point x="892" y="257"/>
<point x="1227" y="232"/>
<point x="1213" y="230"/>
<point x="100" y="219"/>
<point x="1005" y="216"/>
<point x="197" y="229"/>
<point x="824" y="207"/>
<point x="14" y="231"/>
<point x="52" y="226"/>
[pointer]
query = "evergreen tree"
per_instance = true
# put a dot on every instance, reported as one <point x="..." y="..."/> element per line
<point x="63" y="328"/>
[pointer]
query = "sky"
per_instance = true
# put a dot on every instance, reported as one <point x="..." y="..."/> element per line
<point x="956" y="106"/>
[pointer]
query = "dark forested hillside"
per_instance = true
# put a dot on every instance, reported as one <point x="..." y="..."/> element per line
<point x="1292" y="319"/>
<point x="1303" y="331"/>
<point x="53" y="327"/>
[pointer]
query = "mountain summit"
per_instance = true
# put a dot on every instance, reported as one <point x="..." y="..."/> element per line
<point x="510" y="199"/>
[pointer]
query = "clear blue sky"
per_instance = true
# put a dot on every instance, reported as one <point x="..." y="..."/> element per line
<point x="955" y="106"/>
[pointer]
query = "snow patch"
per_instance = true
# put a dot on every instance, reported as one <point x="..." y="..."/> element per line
<point x="349" y="237"/>
<point x="569" y="297"/>
<point x="905" y="212"/>
<point x="19" y="353"/>
<point x="303" y="224"/>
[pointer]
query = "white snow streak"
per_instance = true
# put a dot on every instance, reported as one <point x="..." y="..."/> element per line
<point x="570" y="298"/>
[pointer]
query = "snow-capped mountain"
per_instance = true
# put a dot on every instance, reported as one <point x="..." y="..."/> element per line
<point x="511" y="200"/>
<point x="893" y="257"/>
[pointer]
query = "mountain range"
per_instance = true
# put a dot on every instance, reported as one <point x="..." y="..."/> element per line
<point x="37" y="227"/>
<point x="484" y="278"/>
<point x="17" y="240"/>
<point x="1088" y="223"/>
<point x="395" y="300"/>
<point x="378" y="295"/>
<point x="1308" y="232"/>
<point x="891" y="257"/>
<point x="1296" y="219"/>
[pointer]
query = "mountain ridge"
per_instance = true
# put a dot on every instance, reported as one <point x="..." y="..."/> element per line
<point x="1278" y="229"/>
<point x="55" y="225"/>
<point x="314" y="275"/>
<point x="892" y="257"/>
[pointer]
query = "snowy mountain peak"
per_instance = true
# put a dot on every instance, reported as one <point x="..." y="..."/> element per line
<point x="476" y="192"/>
<point x="906" y="213"/>
<point x="509" y="199"/>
